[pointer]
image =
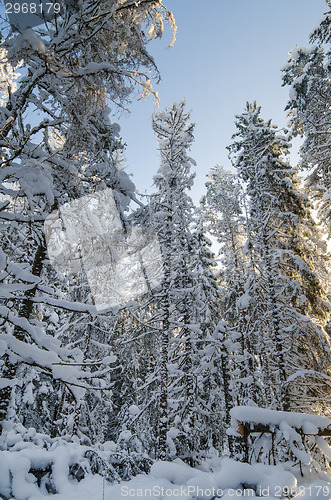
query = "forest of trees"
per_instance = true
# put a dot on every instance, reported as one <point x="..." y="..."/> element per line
<point x="159" y="374"/>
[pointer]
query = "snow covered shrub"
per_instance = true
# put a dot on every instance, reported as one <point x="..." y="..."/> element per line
<point x="33" y="463"/>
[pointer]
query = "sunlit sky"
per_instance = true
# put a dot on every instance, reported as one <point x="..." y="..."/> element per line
<point x="227" y="52"/>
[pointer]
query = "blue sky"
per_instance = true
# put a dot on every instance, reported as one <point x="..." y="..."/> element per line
<point x="227" y="52"/>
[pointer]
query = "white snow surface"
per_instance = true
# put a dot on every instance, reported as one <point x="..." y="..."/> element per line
<point x="309" y="423"/>
<point x="218" y="478"/>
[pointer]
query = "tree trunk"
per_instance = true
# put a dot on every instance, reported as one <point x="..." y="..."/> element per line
<point x="9" y="369"/>
<point x="163" y="422"/>
<point x="281" y="393"/>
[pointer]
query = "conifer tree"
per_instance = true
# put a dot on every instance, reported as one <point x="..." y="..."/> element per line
<point x="172" y="214"/>
<point x="307" y="72"/>
<point x="184" y="304"/>
<point x="286" y="248"/>
<point x="223" y="212"/>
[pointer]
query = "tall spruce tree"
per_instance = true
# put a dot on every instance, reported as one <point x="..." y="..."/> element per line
<point x="172" y="213"/>
<point x="308" y="73"/>
<point x="223" y="204"/>
<point x="181" y="312"/>
<point x="286" y="249"/>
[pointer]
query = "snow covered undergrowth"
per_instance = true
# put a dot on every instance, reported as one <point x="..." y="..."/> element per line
<point x="35" y="466"/>
<point x="221" y="478"/>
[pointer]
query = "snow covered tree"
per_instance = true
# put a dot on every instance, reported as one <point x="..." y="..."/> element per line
<point x="77" y="69"/>
<point x="224" y="220"/>
<point x="286" y="248"/>
<point x="178" y="397"/>
<point x="172" y="212"/>
<point x="307" y="72"/>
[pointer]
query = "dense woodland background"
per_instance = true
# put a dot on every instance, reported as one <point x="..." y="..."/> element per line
<point x="157" y="377"/>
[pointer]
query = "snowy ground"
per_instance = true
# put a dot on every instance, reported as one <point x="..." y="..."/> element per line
<point x="166" y="481"/>
<point x="176" y="480"/>
<point x="34" y="466"/>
